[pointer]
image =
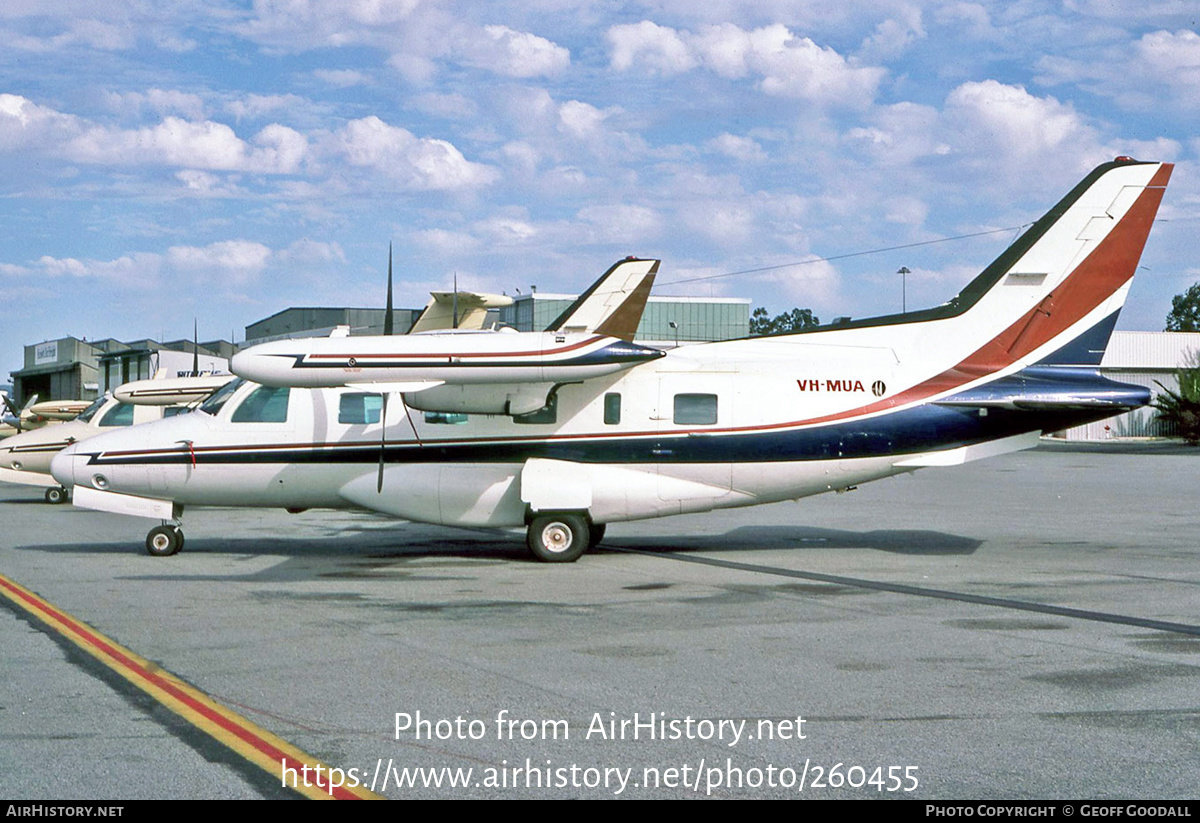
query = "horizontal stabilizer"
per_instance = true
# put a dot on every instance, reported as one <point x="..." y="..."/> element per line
<point x="1051" y="388"/>
<point x="167" y="391"/>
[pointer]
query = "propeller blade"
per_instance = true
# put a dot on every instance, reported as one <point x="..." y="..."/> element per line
<point x="388" y="327"/>
<point x="382" y="440"/>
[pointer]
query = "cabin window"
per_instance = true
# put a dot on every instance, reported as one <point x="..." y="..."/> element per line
<point x="171" y="411"/>
<point x="696" y="409"/>
<point x="612" y="409"/>
<point x="546" y="414"/>
<point x="359" y="409"/>
<point x="266" y="404"/>
<point x="119" y="415"/>
<point x="87" y="414"/>
<point x="213" y="404"/>
<point x="447" y="418"/>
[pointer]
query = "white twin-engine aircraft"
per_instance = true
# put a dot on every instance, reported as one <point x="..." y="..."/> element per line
<point x="565" y="431"/>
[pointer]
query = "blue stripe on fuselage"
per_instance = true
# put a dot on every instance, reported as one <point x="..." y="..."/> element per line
<point x="908" y="431"/>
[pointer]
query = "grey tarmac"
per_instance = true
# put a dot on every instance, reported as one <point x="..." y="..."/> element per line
<point x="1023" y="627"/>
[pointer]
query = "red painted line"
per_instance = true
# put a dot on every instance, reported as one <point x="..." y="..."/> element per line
<point x="135" y="668"/>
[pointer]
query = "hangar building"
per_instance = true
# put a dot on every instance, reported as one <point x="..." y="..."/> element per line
<point x="666" y="319"/>
<point x="1141" y="358"/>
<point x="73" y="369"/>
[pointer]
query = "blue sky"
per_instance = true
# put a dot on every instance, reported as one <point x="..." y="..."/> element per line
<point x="166" y="160"/>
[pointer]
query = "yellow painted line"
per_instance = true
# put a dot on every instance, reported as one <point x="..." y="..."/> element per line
<point x="255" y="744"/>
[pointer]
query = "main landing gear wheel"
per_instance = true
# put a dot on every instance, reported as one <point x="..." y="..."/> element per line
<point x="56" y="495"/>
<point x="164" y="541"/>
<point x="558" y="538"/>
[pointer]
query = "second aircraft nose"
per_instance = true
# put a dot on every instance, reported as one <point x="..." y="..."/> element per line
<point x="62" y="467"/>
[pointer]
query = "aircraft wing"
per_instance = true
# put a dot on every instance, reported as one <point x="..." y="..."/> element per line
<point x="167" y="391"/>
<point x="57" y="409"/>
<point x="482" y="372"/>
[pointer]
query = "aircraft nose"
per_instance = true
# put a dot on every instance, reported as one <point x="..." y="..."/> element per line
<point x="62" y="467"/>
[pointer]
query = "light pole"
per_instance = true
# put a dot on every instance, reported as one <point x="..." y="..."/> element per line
<point x="903" y="272"/>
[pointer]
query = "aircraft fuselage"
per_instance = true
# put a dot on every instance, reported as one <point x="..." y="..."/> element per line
<point x="695" y="428"/>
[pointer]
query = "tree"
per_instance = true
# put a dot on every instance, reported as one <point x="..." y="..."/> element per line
<point x="796" y="320"/>
<point x="1185" y="311"/>
<point x="1182" y="407"/>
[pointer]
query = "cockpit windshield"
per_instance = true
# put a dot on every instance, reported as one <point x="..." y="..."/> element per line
<point x="90" y="412"/>
<point x="213" y="404"/>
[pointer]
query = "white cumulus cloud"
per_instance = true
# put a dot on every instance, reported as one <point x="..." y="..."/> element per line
<point x="517" y="53"/>
<point x="1004" y="119"/>
<point x="649" y="47"/>
<point x="786" y="64"/>
<point x="414" y="162"/>
<point x="24" y="123"/>
<point x="745" y="149"/>
<point x="581" y="119"/>
<point x="623" y="221"/>
<point x="201" y="145"/>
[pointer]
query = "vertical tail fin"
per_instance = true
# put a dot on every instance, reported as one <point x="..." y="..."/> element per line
<point x="614" y="304"/>
<point x="1068" y="275"/>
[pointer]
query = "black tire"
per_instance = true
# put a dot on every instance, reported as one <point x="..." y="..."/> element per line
<point x="596" y="535"/>
<point x="54" y="496"/>
<point x="558" y="538"/>
<point x="164" y="541"/>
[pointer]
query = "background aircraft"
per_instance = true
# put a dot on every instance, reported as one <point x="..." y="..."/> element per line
<point x="457" y="310"/>
<point x="35" y="415"/>
<point x="702" y="427"/>
<point x="508" y="372"/>
<point x="25" y="458"/>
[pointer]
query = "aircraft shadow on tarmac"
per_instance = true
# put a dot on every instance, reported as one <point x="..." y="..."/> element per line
<point x="799" y="538"/>
<point x="373" y="547"/>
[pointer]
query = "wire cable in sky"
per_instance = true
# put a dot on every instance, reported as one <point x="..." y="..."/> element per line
<point x="847" y="255"/>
